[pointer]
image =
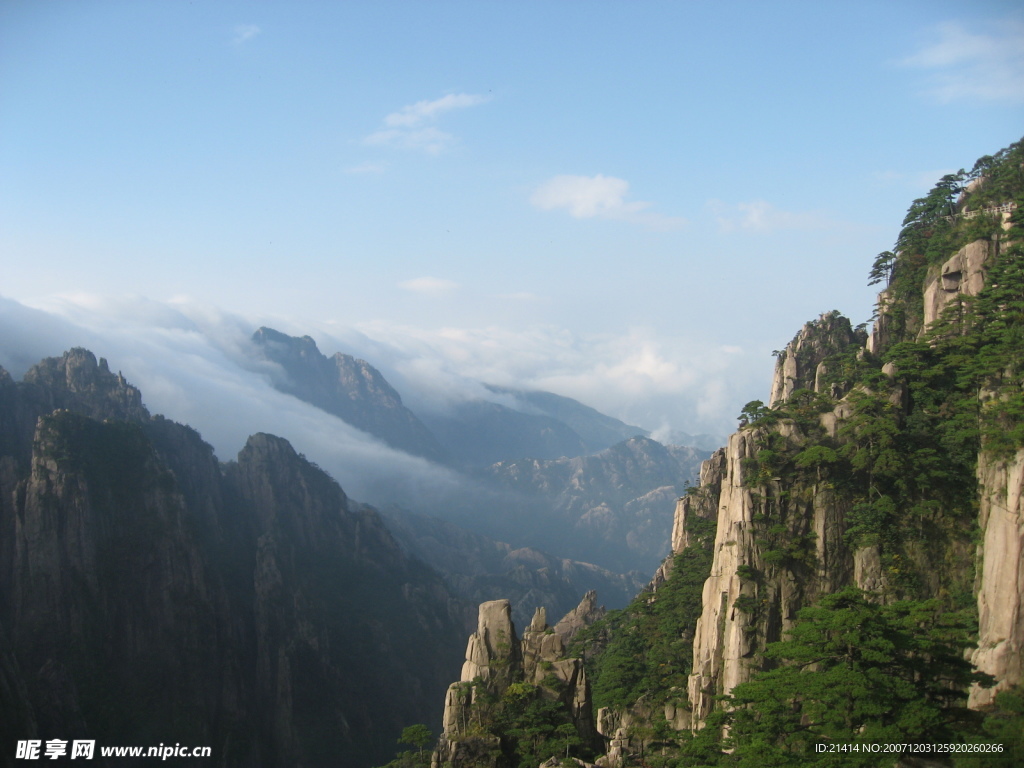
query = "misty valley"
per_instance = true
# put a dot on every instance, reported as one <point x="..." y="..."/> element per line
<point x="520" y="580"/>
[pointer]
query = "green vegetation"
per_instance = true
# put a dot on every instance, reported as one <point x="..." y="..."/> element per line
<point x="419" y="737"/>
<point x="900" y="461"/>
<point x="898" y="464"/>
<point x="522" y="727"/>
<point x="645" y="647"/>
<point x="935" y="228"/>
<point x="853" y="673"/>
<point x="1002" y="728"/>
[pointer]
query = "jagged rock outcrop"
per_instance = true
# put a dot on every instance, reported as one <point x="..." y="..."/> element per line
<point x="861" y="473"/>
<point x="962" y="275"/>
<point x="555" y="762"/>
<point x="800" y="364"/>
<point x="627" y="732"/>
<point x="702" y="503"/>
<point x="149" y="593"/>
<point x="75" y="381"/>
<point x="543" y="652"/>
<point x="497" y="661"/>
<point x="579" y="618"/>
<point x="741" y="613"/>
<point x="493" y="653"/>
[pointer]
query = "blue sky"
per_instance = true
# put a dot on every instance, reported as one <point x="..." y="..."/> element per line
<point x="631" y="203"/>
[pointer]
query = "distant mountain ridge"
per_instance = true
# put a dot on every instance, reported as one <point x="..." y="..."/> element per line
<point x="479" y="568"/>
<point x="613" y="507"/>
<point x="349" y="388"/>
<point x="597" y="430"/>
<point x="469" y="433"/>
<point x="567" y="479"/>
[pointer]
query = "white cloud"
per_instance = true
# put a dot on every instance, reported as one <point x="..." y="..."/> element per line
<point x="524" y="296"/>
<point x="429" y="139"/>
<point x="244" y="32"/>
<point x="635" y="376"/>
<point x="600" y="196"/>
<point x="367" y="167"/>
<point x="973" y="66"/>
<point x="193" y="365"/>
<point x="418" y="113"/>
<point x="762" y="216"/>
<point x="411" y="126"/>
<point x="430" y="286"/>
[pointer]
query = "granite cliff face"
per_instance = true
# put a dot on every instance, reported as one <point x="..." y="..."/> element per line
<point x="821" y="555"/>
<point x="801" y="365"/>
<point x="1000" y="651"/>
<point x="890" y="462"/>
<point x="149" y="591"/>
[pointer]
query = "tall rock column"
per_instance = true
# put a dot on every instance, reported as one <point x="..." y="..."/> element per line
<point x="1000" y="650"/>
<point x="719" y="642"/>
<point x="493" y="655"/>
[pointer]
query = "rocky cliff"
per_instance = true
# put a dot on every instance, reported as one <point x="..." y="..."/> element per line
<point x="892" y="462"/>
<point x="1000" y="555"/>
<point x="788" y="529"/>
<point x="150" y="594"/>
<point x="518" y="700"/>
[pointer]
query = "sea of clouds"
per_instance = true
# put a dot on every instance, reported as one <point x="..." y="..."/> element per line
<point x="195" y="364"/>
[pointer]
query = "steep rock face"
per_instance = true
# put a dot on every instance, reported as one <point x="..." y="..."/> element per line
<point x="498" y="663"/>
<point x="78" y="382"/>
<point x="962" y="275"/>
<point x="752" y="597"/>
<point x="580" y="617"/>
<point x="19" y="721"/>
<point x="862" y="473"/>
<point x="702" y="504"/>
<point x="799" y="365"/>
<point x="351" y="389"/>
<point x="493" y="652"/>
<point x="152" y="594"/>
<point x="750" y="600"/>
<point x="107" y="577"/>
<point x="75" y="381"/>
<point x="1000" y="651"/>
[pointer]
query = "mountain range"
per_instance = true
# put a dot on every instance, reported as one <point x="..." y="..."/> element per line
<point x="847" y="570"/>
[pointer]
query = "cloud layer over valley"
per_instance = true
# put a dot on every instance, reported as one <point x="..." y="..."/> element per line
<point x="195" y="364"/>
